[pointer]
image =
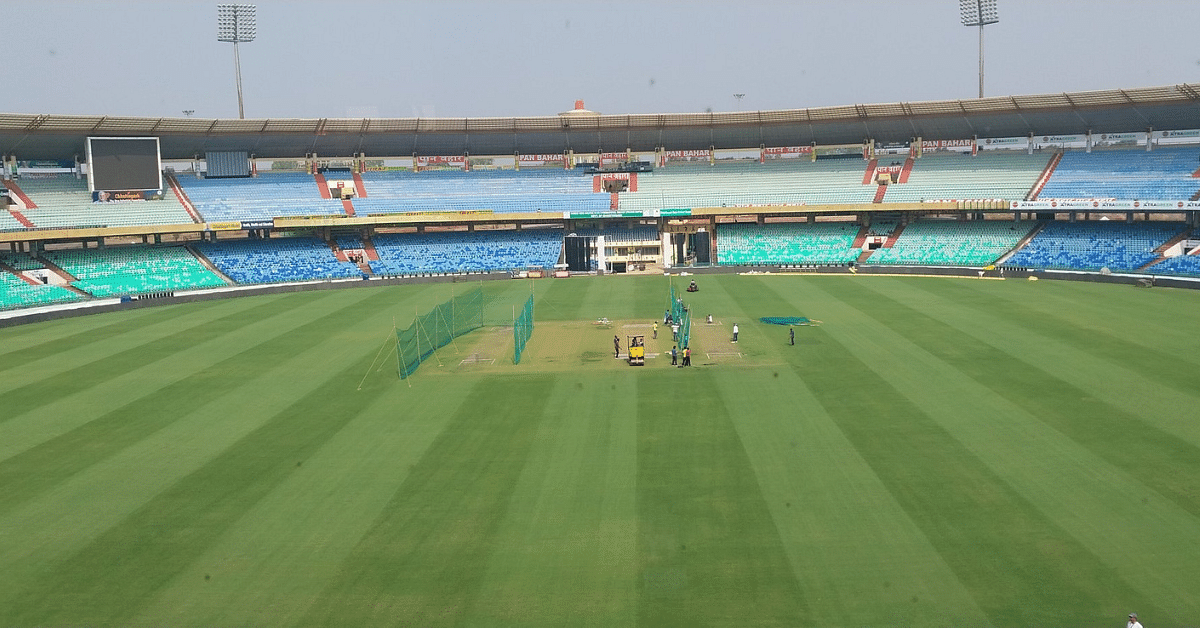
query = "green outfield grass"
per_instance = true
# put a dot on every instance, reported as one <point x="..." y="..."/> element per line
<point x="938" y="452"/>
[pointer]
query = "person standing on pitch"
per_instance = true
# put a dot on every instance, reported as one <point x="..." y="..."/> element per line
<point x="735" y="332"/>
<point x="674" y="356"/>
<point x="616" y="346"/>
<point x="1133" y="621"/>
<point x="656" y="330"/>
<point x="674" y="331"/>
<point x="687" y="356"/>
<point x="792" y="335"/>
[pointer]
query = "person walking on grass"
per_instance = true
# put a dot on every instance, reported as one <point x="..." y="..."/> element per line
<point x="655" y="330"/>
<point x="674" y="356"/>
<point x="735" y="332"/>
<point x="1133" y="621"/>
<point x="791" y="335"/>
<point x="616" y="346"/>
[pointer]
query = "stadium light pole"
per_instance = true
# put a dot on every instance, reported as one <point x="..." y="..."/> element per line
<point x="237" y="23"/>
<point x="978" y="13"/>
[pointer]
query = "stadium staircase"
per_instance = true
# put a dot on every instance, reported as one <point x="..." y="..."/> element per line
<point x="360" y="187"/>
<point x="879" y="194"/>
<point x="65" y="276"/>
<point x="1046" y="174"/>
<point x="869" y="175"/>
<point x="861" y="238"/>
<point x="19" y="217"/>
<point x="369" y="247"/>
<point x="863" y="257"/>
<point x="905" y="171"/>
<point x="16" y="190"/>
<point x="1183" y="235"/>
<point x="322" y="186"/>
<point x="207" y="263"/>
<point x="1195" y="197"/>
<point x="348" y="206"/>
<point x="183" y="198"/>
<point x="1020" y="245"/>
<point x="891" y="241"/>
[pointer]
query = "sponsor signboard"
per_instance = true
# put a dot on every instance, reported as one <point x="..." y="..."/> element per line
<point x="224" y="226"/>
<point x="684" y="155"/>
<point x="1003" y="142"/>
<point x="442" y="160"/>
<point x="257" y="224"/>
<point x="100" y="196"/>
<point x="1116" y="139"/>
<point x="1102" y="204"/>
<point x="539" y="160"/>
<point x="1182" y="133"/>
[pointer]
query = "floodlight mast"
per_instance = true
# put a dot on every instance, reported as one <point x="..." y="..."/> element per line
<point x="237" y="23"/>
<point x="978" y="13"/>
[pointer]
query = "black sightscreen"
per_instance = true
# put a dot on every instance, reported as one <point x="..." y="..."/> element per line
<point x="116" y="164"/>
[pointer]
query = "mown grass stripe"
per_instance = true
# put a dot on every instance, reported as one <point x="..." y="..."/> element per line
<point x="87" y="352"/>
<point x="1005" y="475"/>
<point x="272" y="564"/>
<point x="28" y="429"/>
<point x="125" y="566"/>
<point x="565" y="553"/>
<point x="708" y="549"/>
<point x="859" y="558"/>
<point x="1161" y="461"/>
<point x="23" y="344"/>
<point x="420" y="562"/>
<point x="37" y="394"/>
<point x="43" y="466"/>
<point x="1132" y="344"/>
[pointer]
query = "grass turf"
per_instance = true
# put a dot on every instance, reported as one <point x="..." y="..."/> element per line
<point x="939" y="452"/>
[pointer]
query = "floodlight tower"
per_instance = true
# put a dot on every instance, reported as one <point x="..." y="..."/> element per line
<point x="978" y="13"/>
<point x="236" y="23"/>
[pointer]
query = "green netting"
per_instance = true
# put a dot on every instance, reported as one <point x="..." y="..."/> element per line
<point x="679" y="312"/>
<point x="785" y="320"/>
<point x="522" y="329"/>
<point x="436" y="329"/>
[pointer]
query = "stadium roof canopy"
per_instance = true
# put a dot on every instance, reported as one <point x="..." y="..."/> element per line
<point x="43" y="136"/>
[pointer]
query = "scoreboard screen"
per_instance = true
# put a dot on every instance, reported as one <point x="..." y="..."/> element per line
<point x="121" y="164"/>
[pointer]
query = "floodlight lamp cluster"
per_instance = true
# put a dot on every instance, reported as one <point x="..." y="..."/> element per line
<point x="978" y="12"/>
<point x="236" y="22"/>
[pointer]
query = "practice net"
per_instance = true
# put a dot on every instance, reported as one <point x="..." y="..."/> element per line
<point x="522" y="329"/>
<point x="436" y="329"/>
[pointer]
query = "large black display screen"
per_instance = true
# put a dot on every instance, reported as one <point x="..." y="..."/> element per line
<point x="123" y="163"/>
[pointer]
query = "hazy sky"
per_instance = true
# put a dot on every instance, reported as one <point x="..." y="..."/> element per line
<point x="525" y="58"/>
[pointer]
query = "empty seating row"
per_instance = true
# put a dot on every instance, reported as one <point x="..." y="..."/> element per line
<point x="20" y="261"/>
<point x="64" y="201"/>
<point x="258" y="198"/>
<point x="8" y="222"/>
<point x="749" y="184"/>
<point x="953" y="243"/>
<point x="134" y="270"/>
<point x="477" y="251"/>
<point x="507" y="204"/>
<point x="16" y="293"/>
<point x="1095" y="245"/>
<point x="276" y="259"/>
<point x="787" y="243"/>
<point x="1187" y="265"/>
<point x="1161" y="174"/>
<point x="618" y="235"/>
<point x="1008" y="175"/>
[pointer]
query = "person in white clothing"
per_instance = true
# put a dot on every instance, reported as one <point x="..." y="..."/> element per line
<point x="1133" y="621"/>
<point x="735" y="332"/>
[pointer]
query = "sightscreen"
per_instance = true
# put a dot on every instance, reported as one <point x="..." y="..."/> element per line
<point x="123" y="163"/>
